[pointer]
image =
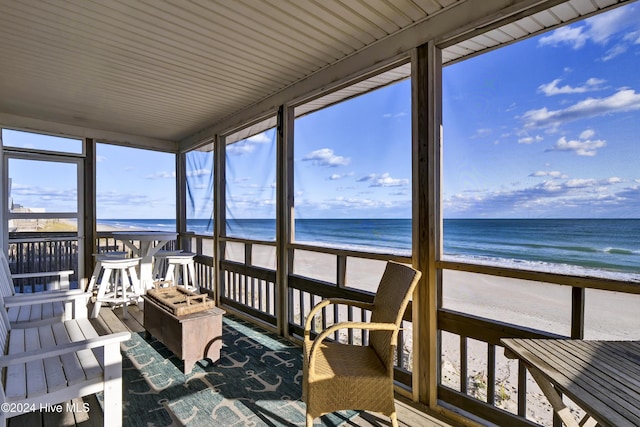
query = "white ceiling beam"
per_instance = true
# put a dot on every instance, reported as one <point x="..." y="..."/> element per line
<point x="36" y="125"/>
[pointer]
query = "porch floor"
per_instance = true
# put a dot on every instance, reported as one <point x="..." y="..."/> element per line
<point x="112" y="321"/>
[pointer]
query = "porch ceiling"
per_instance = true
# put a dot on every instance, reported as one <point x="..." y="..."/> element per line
<point x="164" y="71"/>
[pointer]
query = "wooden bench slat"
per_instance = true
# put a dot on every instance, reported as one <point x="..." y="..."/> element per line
<point x="16" y="383"/>
<point x="47" y="311"/>
<point x="71" y="364"/>
<point x="36" y="383"/>
<point x="25" y="313"/>
<point x="89" y="332"/>
<point x="58" y="309"/>
<point x="54" y="372"/>
<point x="90" y="364"/>
<point x="36" y="312"/>
<point x="13" y="313"/>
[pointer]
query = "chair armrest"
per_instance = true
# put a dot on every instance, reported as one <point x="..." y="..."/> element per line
<point x="58" y="350"/>
<point x="332" y="301"/>
<point x="349" y="325"/>
<point x="40" y="298"/>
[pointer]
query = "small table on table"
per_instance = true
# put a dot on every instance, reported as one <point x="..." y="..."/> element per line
<point x="150" y="243"/>
<point x="603" y="377"/>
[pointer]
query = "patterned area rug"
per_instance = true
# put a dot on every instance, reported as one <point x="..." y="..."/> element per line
<point x="256" y="382"/>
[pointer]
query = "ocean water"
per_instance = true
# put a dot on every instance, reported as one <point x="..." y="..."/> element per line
<point x="601" y="247"/>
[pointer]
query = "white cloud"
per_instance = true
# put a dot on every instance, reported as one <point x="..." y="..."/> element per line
<point x="550" y="89"/>
<point x="162" y="175"/>
<point x="259" y="138"/>
<point x="326" y="157"/>
<point x="199" y="172"/>
<point x="601" y="30"/>
<point x="580" y="147"/>
<point x="247" y="146"/>
<point x="587" y="133"/>
<point x="482" y="132"/>
<point x="530" y="139"/>
<point x="617" y="50"/>
<point x="552" y="174"/>
<point x="337" y="176"/>
<point x="574" y="36"/>
<point x="240" y="148"/>
<point x="621" y="101"/>
<point x="574" y="197"/>
<point x="384" y="180"/>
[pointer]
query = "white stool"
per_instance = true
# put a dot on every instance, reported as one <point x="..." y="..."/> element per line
<point x="181" y="266"/>
<point x="161" y="264"/>
<point x="119" y="284"/>
<point x="98" y="268"/>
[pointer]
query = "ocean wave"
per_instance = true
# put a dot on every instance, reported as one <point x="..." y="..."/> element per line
<point x="619" y="251"/>
<point x="545" y="267"/>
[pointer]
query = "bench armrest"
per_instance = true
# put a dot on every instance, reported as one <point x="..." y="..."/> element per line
<point x="45" y="297"/>
<point x="40" y="354"/>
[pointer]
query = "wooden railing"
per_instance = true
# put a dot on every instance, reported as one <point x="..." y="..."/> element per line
<point x="248" y="286"/>
<point x="38" y="252"/>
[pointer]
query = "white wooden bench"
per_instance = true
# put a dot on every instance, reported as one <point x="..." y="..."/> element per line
<point x="31" y="309"/>
<point x="53" y="363"/>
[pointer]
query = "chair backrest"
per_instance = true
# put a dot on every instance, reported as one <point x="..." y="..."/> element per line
<point x="6" y="281"/>
<point x="391" y="300"/>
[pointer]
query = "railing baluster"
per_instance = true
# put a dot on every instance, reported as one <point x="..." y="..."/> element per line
<point x="522" y="389"/>
<point x="491" y="374"/>
<point x="463" y="364"/>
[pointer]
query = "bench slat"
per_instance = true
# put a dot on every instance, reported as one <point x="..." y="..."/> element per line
<point x="54" y="373"/>
<point x="71" y="364"/>
<point x="36" y="383"/>
<point x="13" y="313"/>
<point x="89" y="332"/>
<point x="90" y="364"/>
<point x="16" y="385"/>
<point x="25" y="313"/>
<point x="58" y="309"/>
<point x="47" y="311"/>
<point x="36" y="312"/>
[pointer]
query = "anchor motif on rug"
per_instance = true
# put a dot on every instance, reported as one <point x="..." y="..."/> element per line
<point x="244" y="420"/>
<point x="267" y="386"/>
<point x="202" y="376"/>
<point x="252" y="343"/>
<point x="274" y="355"/>
<point x="234" y="363"/>
<point x="153" y="388"/>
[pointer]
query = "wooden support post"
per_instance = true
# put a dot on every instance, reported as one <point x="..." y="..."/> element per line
<point x="427" y="216"/>
<point x="89" y="206"/>
<point x="284" y="215"/>
<point x="219" y="214"/>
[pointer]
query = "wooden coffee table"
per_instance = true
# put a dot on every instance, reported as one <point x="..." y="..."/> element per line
<point x="191" y="337"/>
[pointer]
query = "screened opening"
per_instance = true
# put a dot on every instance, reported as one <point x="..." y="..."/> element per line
<point x="352" y="172"/>
<point x="250" y="179"/>
<point x="135" y="189"/>
<point x="540" y="153"/>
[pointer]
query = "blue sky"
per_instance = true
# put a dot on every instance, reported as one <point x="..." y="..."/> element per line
<point x="546" y="127"/>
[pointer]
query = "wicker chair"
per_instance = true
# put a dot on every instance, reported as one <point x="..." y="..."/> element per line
<point x="341" y="376"/>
